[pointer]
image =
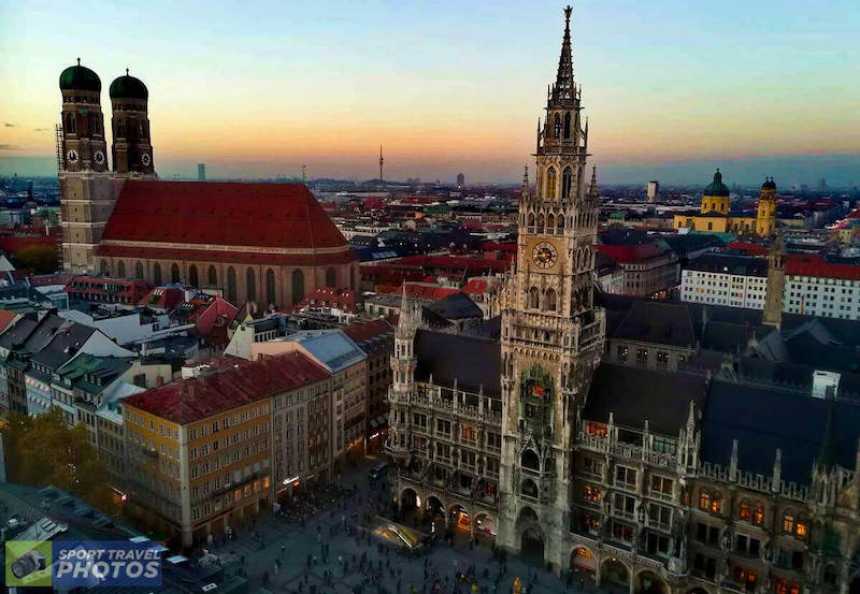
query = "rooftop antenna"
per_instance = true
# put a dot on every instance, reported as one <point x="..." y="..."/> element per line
<point x="381" y="160"/>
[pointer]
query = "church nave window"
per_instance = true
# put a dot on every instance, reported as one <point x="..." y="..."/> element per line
<point x="567" y="125"/>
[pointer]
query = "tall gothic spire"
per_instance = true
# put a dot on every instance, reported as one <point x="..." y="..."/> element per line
<point x="564" y="88"/>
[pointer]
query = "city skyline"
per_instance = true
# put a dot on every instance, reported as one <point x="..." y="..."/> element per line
<point x="774" y="103"/>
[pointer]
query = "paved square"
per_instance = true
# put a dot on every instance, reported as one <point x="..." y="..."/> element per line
<point x="326" y="554"/>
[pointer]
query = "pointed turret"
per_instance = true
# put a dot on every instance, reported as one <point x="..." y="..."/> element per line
<point x="593" y="190"/>
<point x="525" y="194"/>
<point x="564" y="88"/>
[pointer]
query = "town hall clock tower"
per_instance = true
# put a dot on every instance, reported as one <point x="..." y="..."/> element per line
<point x="552" y="335"/>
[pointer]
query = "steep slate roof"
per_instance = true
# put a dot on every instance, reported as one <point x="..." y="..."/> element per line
<point x="473" y="362"/>
<point x="727" y="337"/>
<point x="729" y="264"/>
<point x="372" y="335"/>
<point x="634" y="394"/>
<point x="233" y="383"/>
<point x="456" y="307"/>
<point x="63" y="345"/>
<point x="661" y="323"/>
<point x="30" y="334"/>
<point x="210" y="215"/>
<point x="764" y="419"/>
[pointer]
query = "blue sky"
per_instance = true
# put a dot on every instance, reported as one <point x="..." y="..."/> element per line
<point x="259" y="88"/>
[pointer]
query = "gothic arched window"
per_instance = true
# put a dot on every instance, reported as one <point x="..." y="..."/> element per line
<point x="213" y="277"/>
<point x="530" y="460"/>
<point x="156" y="274"/>
<point x="193" y="279"/>
<point x="566" y="182"/>
<point x="174" y="273"/>
<point x="330" y="278"/>
<point x="540" y="223"/>
<point x="561" y="224"/>
<point x="556" y="124"/>
<point x="120" y="269"/>
<point x="271" y="298"/>
<point x="550" y="223"/>
<point x="297" y="292"/>
<point x="567" y="125"/>
<point x="138" y="271"/>
<point x="531" y="219"/>
<point x="549" y="300"/>
<point x="529" y="488"/>
<point x="534" y="298"/>
<point x="71" y="124"/>
<point x="550" y="183"/>
<point x="250" y="285"/>
<point x="231" y="286"/>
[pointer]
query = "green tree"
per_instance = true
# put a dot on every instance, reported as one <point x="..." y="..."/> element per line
<point x="43" y="451"/>
<point x="41" y="259"/>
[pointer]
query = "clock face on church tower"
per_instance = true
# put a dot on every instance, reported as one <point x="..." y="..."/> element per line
<point x="145" y="160"/>
<point x="545" y="255"/>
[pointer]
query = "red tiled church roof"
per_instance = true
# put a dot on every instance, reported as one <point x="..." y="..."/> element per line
<point x="222" y="214"/>
<point x="227" y="256"/>
<point x="231" y="383"/>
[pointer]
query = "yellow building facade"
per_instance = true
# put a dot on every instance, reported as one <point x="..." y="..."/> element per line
<point x="715" y="212"/>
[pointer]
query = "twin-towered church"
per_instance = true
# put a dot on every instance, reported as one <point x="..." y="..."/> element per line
<point x="267" y="244"/>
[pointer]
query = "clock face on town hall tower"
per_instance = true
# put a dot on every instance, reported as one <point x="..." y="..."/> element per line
<point x="545" y="255"/>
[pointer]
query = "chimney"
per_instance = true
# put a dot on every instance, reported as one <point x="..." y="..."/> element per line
<point x="825" y="384"/>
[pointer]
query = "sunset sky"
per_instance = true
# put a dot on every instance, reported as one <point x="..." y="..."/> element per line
<point x="672" y="87"/>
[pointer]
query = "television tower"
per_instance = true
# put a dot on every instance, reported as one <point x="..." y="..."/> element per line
<point x="380" y="162"/>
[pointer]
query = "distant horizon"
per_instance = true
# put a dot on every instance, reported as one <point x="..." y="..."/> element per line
<point x="788" y="172"/>
<point x="671" y="90"/>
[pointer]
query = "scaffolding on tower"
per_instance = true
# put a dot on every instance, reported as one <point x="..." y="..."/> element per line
<point x="58" y="129"/>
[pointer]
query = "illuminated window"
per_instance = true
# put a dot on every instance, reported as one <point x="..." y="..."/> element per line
<point x="591" y="494"/>
<point x="802" y="529"/>
<point x="716" y="503"/>
<point x="551" y="177"/>
<point x="596" y="429"/>
<point x="758" y="516"/>
<point x="704" y="501"/>
<point x="788" y="523"/>
<point x="746" y="577"/>
<point x="745" y="511"/>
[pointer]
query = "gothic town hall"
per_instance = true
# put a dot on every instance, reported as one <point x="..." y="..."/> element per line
<point x="550" y="440"/>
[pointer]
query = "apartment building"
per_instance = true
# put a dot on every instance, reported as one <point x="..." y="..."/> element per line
<point x="724" y="279"/>
<point x="200" y="450"/>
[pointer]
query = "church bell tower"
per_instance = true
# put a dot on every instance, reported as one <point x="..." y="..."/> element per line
<point x="132" y="147"/>
<point x="86" y="186"/>
<point x="552" y="334"/>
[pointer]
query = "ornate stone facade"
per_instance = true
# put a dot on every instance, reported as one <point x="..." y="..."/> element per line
<point x="654" y="479"/>
<point x="552" y="335"/>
